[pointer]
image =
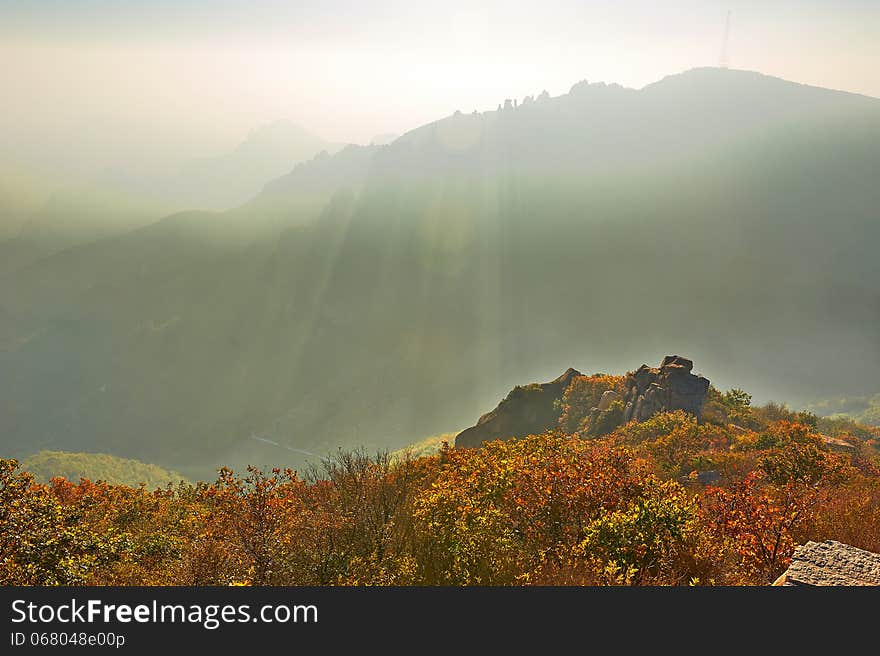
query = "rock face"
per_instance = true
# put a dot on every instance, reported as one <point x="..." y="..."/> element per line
<point x="532" y="409"/>
<point x="608" y="397"/>
<point x="525" y="411"/>
<point x="831" y="563"/>
<point x="670" y="387"/>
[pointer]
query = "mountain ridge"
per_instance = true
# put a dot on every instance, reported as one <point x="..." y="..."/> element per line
<point x="391" y="291"/>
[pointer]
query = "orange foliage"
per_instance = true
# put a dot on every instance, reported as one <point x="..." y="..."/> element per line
<point x="629" y="508"/>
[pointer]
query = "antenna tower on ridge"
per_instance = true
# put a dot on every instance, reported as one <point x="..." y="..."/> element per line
<point x="725" y="56"/>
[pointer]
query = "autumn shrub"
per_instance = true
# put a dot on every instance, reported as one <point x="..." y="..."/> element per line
<point x="147" y="527"/>
<point x="45" y="542"/>
<point x="641" y="536"/>
<point x="662" y="423"/>
<point x="754" y="525"/>
<point x="550" y="507"/>
<point x="763" y="416"/>
<point x="582" y="395"/>
<point x="760" y="518"/>
<point x="605" y="421"/>
<point x="629" y="508"/>
<point x="849" y="513"/>
<point x="375" y="496"/>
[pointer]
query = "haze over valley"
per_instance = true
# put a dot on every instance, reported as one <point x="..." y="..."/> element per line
<point x="383" y="293"/>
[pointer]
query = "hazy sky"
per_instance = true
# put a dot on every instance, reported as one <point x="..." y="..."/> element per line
<point x="110" y="81"/>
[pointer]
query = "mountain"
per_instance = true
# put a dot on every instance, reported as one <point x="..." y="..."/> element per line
<point x="390" y="291"/>
<point x="71" y="215"/>
<point x="862" y="409"/>
<point x="230" y="179"/>
<point x="41" y="216"/>
<point x="47" y="465"/>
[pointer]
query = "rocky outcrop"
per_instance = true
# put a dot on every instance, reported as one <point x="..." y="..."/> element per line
<point x="533" y="409"/>
<point x="527" y="410"/>
<point x="670" y="387"/>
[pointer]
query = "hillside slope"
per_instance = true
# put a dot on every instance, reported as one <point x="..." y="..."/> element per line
<point x="387" y="292"/>
<point x="46" y="465"/>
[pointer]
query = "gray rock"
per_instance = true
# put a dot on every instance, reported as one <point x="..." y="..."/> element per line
<point x="608" y="397"/>
<point x="708" y="477"/>
<point x="831" y="563"/>
<point x="669" y="387"/>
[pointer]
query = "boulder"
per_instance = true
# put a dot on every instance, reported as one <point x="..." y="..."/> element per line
<point x="831" y="563"/>
<point x="667" y="388"/>
<point x="608" y="397"/>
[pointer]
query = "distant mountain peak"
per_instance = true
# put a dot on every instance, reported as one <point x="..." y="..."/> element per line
<point x="712" y="77"/>
<point x="281" y="132"/>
